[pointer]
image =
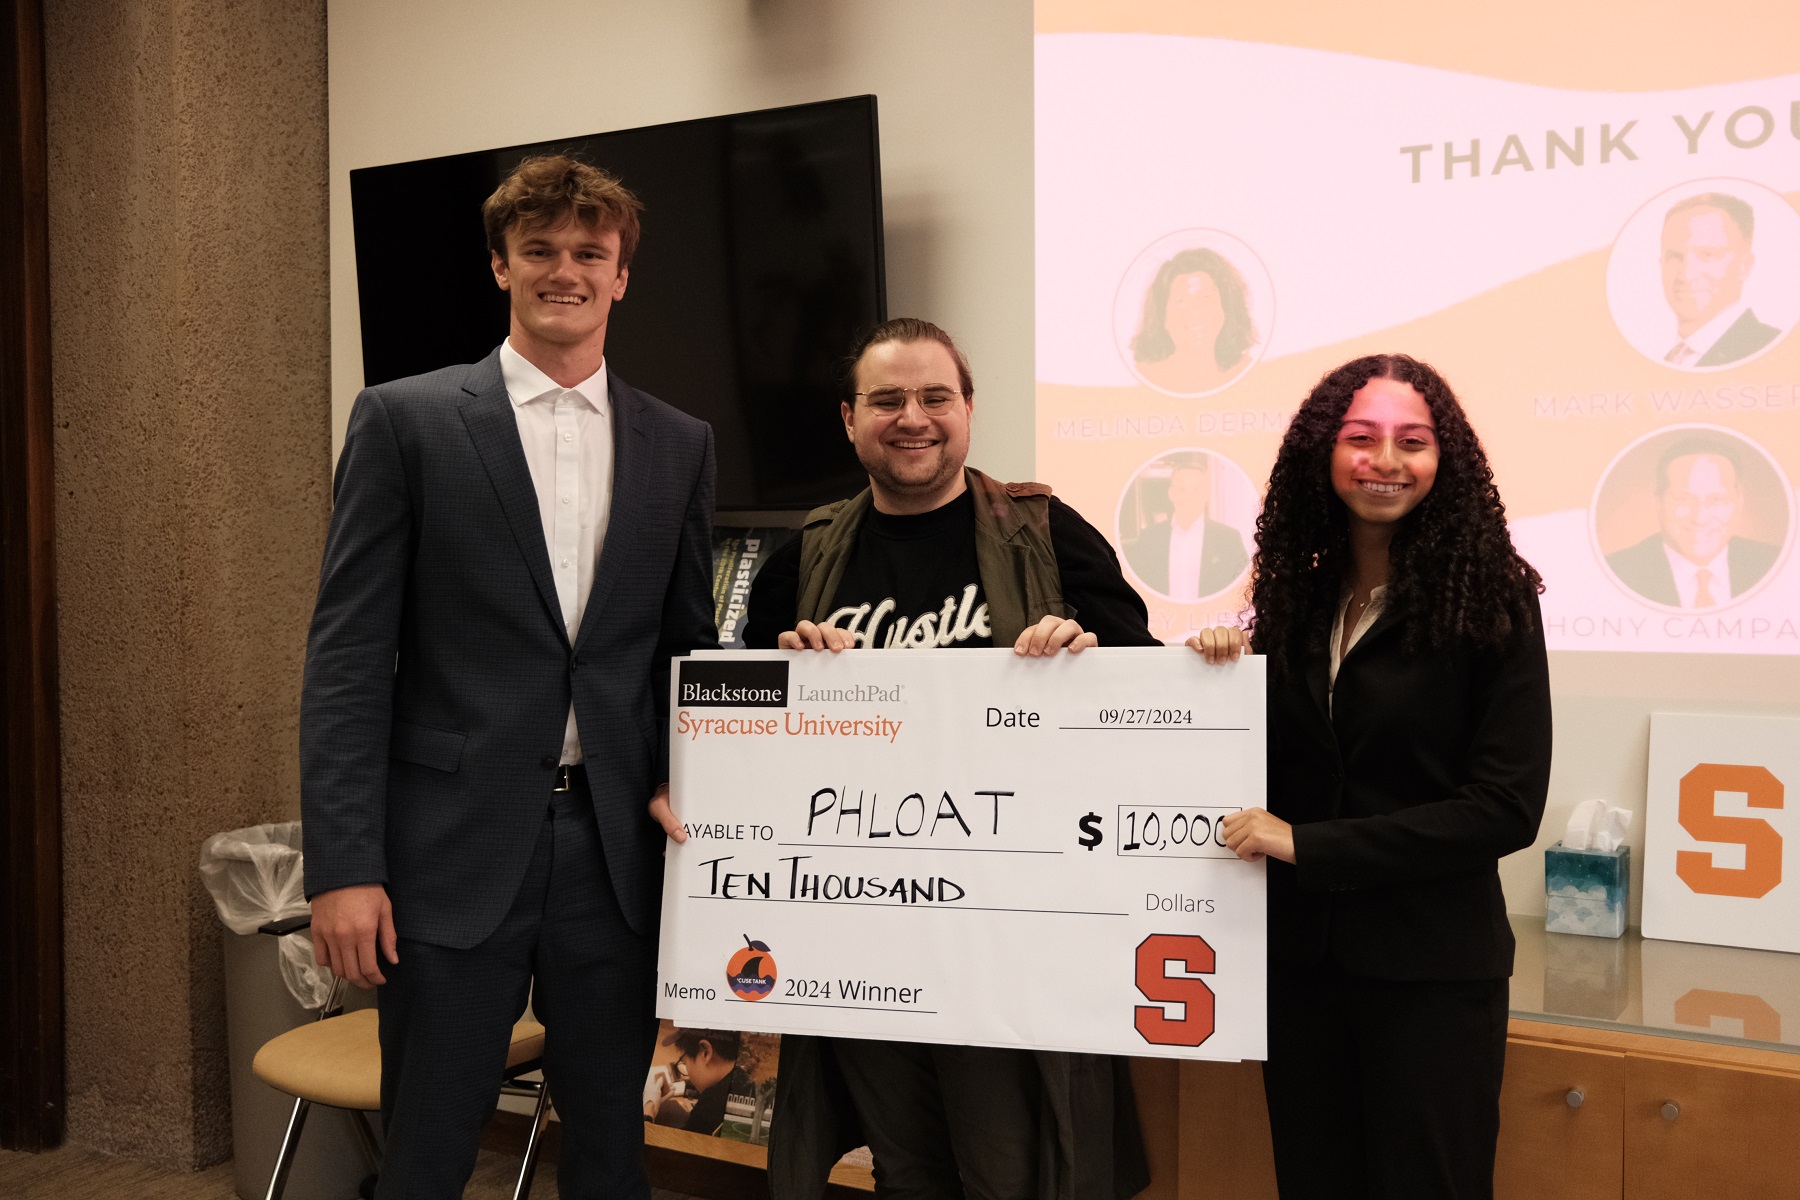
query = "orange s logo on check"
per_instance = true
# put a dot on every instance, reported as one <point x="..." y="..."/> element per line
<point x="1154" y="954"/>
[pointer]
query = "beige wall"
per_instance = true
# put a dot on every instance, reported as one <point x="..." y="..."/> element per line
<point x="418" y="78"/>
<point x="190" y="352"/>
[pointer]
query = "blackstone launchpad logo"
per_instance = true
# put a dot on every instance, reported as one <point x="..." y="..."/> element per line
<point x="712" y="683"/>
<point x="751" y="971"/>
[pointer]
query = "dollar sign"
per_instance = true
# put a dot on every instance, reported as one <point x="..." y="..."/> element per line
<point x="1090" y="831"/>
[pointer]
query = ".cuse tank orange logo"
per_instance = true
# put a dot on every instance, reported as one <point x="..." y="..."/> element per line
<point x="751" y="971"/>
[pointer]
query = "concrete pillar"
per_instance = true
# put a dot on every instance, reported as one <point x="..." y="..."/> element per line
<point x="188" y="262"/>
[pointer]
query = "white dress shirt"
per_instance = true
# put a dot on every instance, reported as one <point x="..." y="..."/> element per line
<point x="1687" y="576"/>
<point x="1691" y="349"/>
<point x="568" y="440"/>
<point x="1371" y="610"/>
<point x="1186" y="550"/>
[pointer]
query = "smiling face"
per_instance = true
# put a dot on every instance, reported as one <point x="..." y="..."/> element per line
<point x="1195" y="313"/>
<point x="1705" y="260"/>
<point x="562" y="282"/>
<point x="1699" y="505"/>
<point x="914" y="458"/>
<point x="1386" y="456"/>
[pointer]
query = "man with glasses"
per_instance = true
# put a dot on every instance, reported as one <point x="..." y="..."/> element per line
<point x="933" y="554"/>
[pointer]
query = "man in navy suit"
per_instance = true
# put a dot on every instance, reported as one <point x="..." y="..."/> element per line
<point x="1707" y="255"/>
<point x="1696" y="559"/>
<point x="517" y="548"/>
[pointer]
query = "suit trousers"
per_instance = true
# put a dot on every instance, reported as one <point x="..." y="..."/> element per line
<point x="447" y="1017"/>
<point x="944" y="1122"/>
<point x="1382" y="1090"/>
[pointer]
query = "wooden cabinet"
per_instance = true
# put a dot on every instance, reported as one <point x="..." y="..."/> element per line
<point x="1719" y="1129"/>
<point x="1561" y="1109"/>
<point x="1732" y="1134"/>
<point x="1225" y="1146"/>
<point x="1660" y="1118"/>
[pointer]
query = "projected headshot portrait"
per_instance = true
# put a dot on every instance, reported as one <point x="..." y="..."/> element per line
<point x="1707" y="275"/>
<point x="1692" y="517"/>
<point x="1193" y="313"/>
<point x="1186" y="521"/>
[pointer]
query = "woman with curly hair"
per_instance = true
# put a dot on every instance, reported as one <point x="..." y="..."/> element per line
<point x="1409" y="750"/>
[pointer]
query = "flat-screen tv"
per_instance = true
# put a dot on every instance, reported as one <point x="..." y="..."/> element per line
<point x="761" y="261"/>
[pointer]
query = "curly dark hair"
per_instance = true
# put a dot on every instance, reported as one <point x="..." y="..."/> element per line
<point x="1452" y="569"/>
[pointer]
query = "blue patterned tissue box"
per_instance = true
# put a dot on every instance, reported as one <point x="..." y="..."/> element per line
<point x="1586" y="891"/>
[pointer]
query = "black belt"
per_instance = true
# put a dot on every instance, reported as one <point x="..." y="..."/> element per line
<point x="568" y="775"/>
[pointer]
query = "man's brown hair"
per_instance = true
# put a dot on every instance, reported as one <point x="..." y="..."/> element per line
<point x="546" y="190"/>
<point x="909" y="329"/>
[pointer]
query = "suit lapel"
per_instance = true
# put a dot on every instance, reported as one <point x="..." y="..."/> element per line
<point x="488" y="416"/>
<point x="1383" y="626"/>
<point x="1318" y="663"/>
<point x="632" y="446"/>
<point x="1314" y="666"/>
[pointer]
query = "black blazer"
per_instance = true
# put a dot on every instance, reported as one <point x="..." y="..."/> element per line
<point x="439" y="674"/>
<point x="1404" y="796"/>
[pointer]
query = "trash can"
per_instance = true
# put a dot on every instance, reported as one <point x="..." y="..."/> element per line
<point x="272" y="984"/>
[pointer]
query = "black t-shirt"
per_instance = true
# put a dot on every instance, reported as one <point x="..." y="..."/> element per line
<point x="912" y="581"/>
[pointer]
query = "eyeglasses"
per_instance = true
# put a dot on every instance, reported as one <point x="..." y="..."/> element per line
<point x="888" y="401"/>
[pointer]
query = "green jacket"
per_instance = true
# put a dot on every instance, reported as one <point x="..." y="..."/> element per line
<point x="1013" y="554"/>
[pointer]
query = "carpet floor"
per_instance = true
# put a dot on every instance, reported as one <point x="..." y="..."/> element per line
<point x="77" y="1173"/>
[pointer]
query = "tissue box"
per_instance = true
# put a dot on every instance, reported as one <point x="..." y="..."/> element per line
<point x="1585" y="891"/>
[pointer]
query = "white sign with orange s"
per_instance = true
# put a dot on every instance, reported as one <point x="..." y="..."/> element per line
<point x="1722" y="835"/>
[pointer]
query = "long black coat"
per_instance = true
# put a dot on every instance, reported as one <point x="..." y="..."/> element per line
<point x="1404" y="793"/>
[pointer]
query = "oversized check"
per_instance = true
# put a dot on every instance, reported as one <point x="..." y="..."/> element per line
<point x="967" y="846"/>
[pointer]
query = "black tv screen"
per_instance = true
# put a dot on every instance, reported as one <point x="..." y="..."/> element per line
<point x="761" y="261"/>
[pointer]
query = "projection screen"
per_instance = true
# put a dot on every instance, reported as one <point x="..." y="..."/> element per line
<point x="1606" y="268"/>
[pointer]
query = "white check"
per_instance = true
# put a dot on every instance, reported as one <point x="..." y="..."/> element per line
<point x="967" y="846"/>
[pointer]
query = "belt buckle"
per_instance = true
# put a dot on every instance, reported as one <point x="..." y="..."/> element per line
<point x="564" y="778"/>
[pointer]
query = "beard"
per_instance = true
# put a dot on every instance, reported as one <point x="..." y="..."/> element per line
<point x="917" y="479"/>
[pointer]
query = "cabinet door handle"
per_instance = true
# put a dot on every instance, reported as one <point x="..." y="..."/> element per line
<point x="1670" y="1110"/>
<point x="1575" y="1097"/>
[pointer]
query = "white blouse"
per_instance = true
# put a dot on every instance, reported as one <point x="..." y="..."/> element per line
<point x="1371" y="610"/>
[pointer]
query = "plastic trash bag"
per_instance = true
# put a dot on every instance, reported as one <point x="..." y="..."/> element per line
<point x="254" y="877"/>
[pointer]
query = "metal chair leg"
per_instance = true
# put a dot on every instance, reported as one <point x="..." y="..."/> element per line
<point x="539" y="1119"/>
<point x="284" y="1161"/>
<point x="365" y="1140"/>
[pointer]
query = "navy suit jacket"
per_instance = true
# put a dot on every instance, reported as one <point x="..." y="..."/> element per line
<point x="1644" y="567"/>
<point x="439" y="674"/>
<point x="1746" y="336"/>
